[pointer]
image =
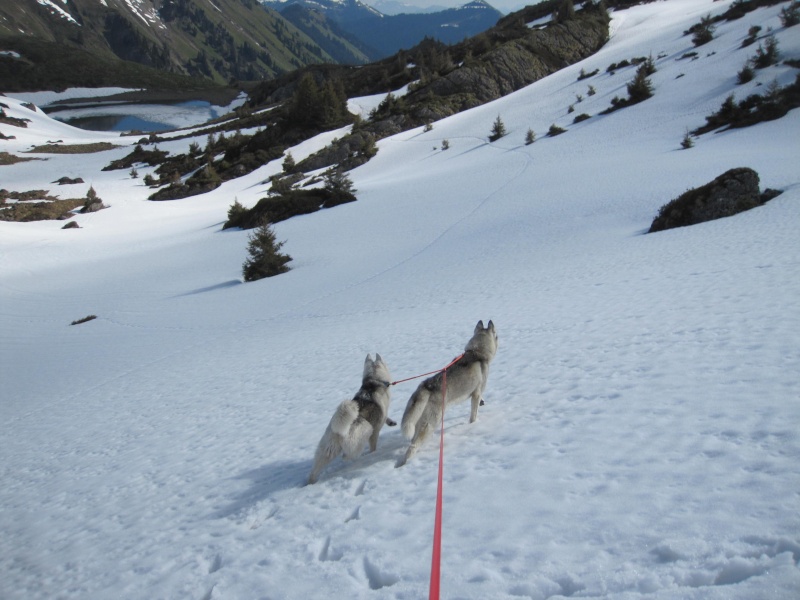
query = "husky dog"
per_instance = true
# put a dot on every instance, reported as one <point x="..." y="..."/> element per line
<point x="358" y="419"/>
<point x="465" y="378"/>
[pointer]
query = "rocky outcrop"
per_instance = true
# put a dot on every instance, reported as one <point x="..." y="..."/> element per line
<point x="732" y="192"/>
<point x="519" y="62"/>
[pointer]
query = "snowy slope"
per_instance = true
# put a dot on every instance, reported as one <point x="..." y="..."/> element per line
<point x="640" y="434"/>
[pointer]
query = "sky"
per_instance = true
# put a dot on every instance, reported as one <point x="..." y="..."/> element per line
<point x="640" y="434"/>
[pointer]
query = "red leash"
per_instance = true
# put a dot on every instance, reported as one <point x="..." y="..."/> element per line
<point x="436" y="556"/>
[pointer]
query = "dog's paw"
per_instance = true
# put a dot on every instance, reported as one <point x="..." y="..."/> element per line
<point x="390" y="422"/>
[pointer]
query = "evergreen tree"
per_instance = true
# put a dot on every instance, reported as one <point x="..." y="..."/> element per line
<point x="767" y="54"/>
<point x="289" y="163"/>
<point x="498" y="129"/>
<point x="339" y="184"/>
<point x="316" y="106"/>
<point x="266" y="259"/>
<point x="704" y="32"/>
<point x="304" y="106"/>
<point x="640" y="88"/>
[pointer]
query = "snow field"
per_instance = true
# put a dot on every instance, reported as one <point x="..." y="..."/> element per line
<point x="639" y="438"/>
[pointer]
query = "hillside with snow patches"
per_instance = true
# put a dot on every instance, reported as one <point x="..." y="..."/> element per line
<point x="640" y="438"/>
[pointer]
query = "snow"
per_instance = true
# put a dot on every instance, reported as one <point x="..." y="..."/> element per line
<point x="58" y="11"/>
<point x="364" y="105"/>
<point x="46" y="98"/>
<point x="640" y="433"/>
<point x="178" y="115"/>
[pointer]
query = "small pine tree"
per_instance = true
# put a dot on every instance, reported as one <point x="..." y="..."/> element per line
<point x="266" y="259"/>
<point x="338" y="182"/>
<point x="687" y="141"/>
<point x="530" y="137"/>
<point x="498" y="129"/>
<point x="766" y="54"/>
<point x="93" y="202"/>
<point x="790" y="15"/>
<point x="288" y="163"/>
<point x="591" y="90"/>
<point x="746" y="74"/>
<point x="149" y="180"/>
<point x="134" y="173"/>
<point x="640" y="88"/>
<point x="428" y="127"/>
<point x="236" y="210"/>
<point x="704" y="32"/>
<point x="445" y="144"/>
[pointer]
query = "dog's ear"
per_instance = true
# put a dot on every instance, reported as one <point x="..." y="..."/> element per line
<point x="479" y="326"/>
<point x="378" y="359"/>
<point x="490" y="327"/>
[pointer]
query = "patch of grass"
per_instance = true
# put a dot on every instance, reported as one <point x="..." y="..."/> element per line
<point x="13" y="120"/>
<point x="40" y="211"/>
<point x="73" y="148"/>
<point x="10" y="159"/>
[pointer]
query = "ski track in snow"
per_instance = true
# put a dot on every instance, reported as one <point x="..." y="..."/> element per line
<point x="640" y="433"/>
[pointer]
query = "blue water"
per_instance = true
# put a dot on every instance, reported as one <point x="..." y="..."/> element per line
<point x="164" y="116"/>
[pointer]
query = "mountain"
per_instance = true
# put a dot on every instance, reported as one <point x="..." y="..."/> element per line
<point x="220" y="40"/>
<point x="342" y="46"/>
<point x="387" y="34"/>
<point x="639" y="438"/>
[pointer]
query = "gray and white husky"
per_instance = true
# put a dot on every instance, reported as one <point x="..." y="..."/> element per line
<point x="357" y="420"/>
<point x="466" y="378"/>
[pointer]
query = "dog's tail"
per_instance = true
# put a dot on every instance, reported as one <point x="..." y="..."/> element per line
<point x="353" y="429"/>
<point x="416" y="405"/>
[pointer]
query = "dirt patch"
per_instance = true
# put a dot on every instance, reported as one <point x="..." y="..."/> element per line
<point x="73" y="148"/>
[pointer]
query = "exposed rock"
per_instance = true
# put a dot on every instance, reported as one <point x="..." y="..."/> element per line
<point x="91" y="207"/>
<point x="732" y="192"/>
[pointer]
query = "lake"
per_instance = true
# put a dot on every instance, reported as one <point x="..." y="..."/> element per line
<point x="119" y="116"/>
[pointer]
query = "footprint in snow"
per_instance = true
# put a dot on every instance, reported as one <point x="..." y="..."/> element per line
<point x="328" y="554"/>
<point x="355" y="516"/>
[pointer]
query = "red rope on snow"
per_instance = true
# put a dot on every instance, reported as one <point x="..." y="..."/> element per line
<point x="436" y="555"/>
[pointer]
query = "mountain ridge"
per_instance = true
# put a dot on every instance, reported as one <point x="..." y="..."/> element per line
<point x="221" y="41"/>
<point x="387" y="34"/>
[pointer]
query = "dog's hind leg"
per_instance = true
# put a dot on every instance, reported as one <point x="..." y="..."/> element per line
<point x="476" y="402"/>
<point x="373" y="439"/>
<point x="421" y="434"/>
